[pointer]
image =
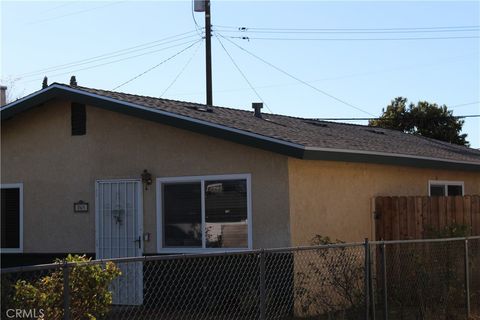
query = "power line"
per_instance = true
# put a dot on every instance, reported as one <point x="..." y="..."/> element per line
<point x="349" y="29"/>
<point x="246" y="30"/>
<point x="464" y="104"/>
<point x="354" y="39"/>
<point x="181" y="71"/>
<point x="297" y="79"/>
<point x="115" y="61"/>
<point x="241" y="72"/>
<point x="352" y="75"/>
<point x="75" y="13"/>
<point x="104" y="56"/>
<point x="360" y="119"/>
<point x="155" y="66"/>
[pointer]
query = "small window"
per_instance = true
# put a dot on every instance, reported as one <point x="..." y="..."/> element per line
<point x="11" y="217"/>
<point x="445" y="188"/>
<point x="79" y="119"/>
<point x="204" y="213"/>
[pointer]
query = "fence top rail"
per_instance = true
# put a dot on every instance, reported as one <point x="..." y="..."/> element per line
<point x="425" y="240"/>
<point x="164" y="257"/>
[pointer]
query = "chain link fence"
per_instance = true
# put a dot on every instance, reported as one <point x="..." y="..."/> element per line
<point x="418" y="279"/>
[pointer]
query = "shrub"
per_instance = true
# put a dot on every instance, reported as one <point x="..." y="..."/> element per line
<point x="332" y="283"/>
<point x="90" y="297"/>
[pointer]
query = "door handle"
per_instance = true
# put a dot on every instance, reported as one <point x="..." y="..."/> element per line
<point x="139" y="240"/>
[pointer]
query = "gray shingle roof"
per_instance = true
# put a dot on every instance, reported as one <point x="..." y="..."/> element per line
<point x="299" y="137"/>
<point x="307" y="132"/>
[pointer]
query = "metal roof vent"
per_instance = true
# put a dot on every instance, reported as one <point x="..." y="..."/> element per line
<point x="199" y="108"/>
<point x="375" y="131"/>
<point x="316" y="123"/>
<point x="257" y="106"/>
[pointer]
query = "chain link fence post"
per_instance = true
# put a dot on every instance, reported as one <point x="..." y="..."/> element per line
<point x="384" y="281"/>
<point x="367" y="279"/>
<point x="263" y="298"/>
<point x="467" y="280"/>
<point x="66" y="292"/>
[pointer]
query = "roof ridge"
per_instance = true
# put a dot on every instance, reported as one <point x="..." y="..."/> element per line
<point x="157" y="98"/>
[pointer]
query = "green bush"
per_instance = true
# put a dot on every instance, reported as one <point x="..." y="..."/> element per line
<point x="90" y="297"/>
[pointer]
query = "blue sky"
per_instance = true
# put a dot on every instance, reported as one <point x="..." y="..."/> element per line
<point x="366" y="74"/>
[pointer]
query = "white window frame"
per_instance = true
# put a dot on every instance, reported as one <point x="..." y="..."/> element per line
<point x="445" y="184"/>
<point x="20" y="187"/>
<point x="201" y="180"/>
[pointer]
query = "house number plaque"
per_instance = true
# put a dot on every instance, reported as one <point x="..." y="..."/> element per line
<point x="80" y="206"/>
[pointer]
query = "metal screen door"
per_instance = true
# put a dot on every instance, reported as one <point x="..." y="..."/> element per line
<point x="119" y="234"/>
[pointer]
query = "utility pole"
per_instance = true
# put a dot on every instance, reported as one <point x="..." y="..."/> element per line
<point x="204" y="6"/>
<point x="208" y="53"/>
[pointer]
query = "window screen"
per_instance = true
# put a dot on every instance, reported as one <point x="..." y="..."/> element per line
<point x="10" y="215"/>
<point x="226" y="214"/>
<point x="446" y="188"/>
<point x="182" y="215"/>
<point x="454" y="190"/>
<point x="438" y="191"/>
<point x="207" y="213"/>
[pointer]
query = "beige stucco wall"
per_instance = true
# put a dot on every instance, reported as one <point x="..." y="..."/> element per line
<point x="58" y="169"/>
<point x="335" y="198"/>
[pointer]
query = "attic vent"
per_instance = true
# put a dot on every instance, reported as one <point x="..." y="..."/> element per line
<point x="316" y="123"/>
<point x="79" y="119"/>
<point x="200" y="108"/>
<point x="375" y="131"/>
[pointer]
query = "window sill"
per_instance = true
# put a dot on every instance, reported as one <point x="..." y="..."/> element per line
<point x="11" y="250"/>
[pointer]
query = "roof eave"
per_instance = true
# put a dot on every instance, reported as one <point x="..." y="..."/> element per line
<point x="232" y="134"/>
<point x="388" y="159"/>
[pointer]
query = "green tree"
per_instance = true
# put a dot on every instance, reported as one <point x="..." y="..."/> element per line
<point x="424" y="118"/>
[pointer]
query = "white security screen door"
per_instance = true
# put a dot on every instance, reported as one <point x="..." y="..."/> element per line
<point x="119" y="232"/>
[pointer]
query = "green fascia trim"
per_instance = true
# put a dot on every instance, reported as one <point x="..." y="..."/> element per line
<point x="388" y="160"/>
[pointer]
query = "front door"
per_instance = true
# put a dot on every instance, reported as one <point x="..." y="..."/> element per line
<point x="119" y="232"/>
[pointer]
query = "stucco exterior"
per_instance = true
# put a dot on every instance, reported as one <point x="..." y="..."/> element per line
<point x="58" y="169"/>
<point x="335" y="198"/>
<point x="292" y="199"/>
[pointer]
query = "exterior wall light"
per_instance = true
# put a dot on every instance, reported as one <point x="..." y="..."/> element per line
<point x="146" y="178"/>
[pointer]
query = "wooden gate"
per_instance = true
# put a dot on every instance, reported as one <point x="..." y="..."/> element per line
<point x="399" y="218"/>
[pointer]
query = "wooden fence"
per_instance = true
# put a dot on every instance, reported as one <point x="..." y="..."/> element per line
<point x="400" y="218"/>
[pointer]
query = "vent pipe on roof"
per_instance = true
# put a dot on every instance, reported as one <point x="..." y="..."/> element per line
<point x="3" y="96"/>
<point x="257" y="106"/>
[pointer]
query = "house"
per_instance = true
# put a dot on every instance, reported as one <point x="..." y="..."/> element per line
<point x="112" y="174"/>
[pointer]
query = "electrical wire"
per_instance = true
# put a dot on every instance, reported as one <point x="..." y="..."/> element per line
<point x="464" y="104"/>
<point x="345" y="32"/>
<point x="111" y="54"/>
<point x="181" y="71"/>
<point x="359" y="119"/>
<point x="352" y="75"/>
<point x="243" y="74"/>
<point x="75" y="13"/>
<point x="349" y="29"/>
<point x="354" y="39"/>
<point x="297" y="79"/>
<point x="155" y="66"/>
<point x="115" y="61"/>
